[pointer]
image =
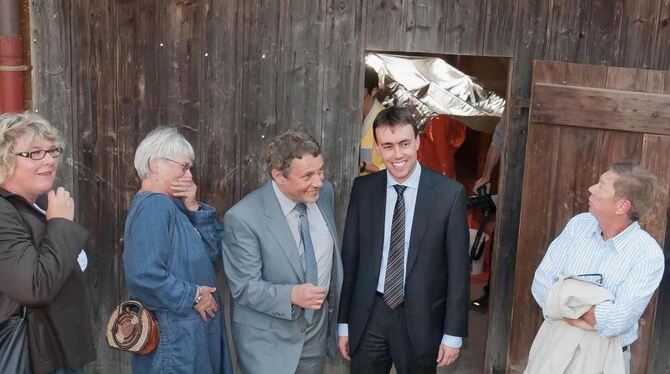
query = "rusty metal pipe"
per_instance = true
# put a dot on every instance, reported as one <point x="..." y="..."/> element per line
<point x="12" y="68"/>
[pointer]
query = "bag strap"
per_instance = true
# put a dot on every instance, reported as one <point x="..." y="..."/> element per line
<point x="172" y="231"/>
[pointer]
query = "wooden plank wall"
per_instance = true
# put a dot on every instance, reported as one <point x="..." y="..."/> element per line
<point x="234" y="73"/>
<point x="231" y="75"/>
<point x="594" y="141"/>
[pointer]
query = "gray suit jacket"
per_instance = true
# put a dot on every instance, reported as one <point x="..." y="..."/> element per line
<point x="262" y="264"/>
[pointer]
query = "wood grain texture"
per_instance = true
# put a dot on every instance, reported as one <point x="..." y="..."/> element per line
<point x="542" y="160"/>
<point x="384" y="25"/>
<point x="661" y="55"/>
<point x="658" y="222"/>
<point x="425" y="25"/>
<point x="660" y="360"/>
<point x="260" y="85"/>
<point x="584" y="151"/>
<point x="603" y="32"/>
<point x="639" y="33"/>
<point x="97" y="144"/>
<point x="462" y="34"/>
<point x="233" y="74"/>
<point x="601" y="108"/>
<point x="567" y="30"/>
<point x="51" y="59"/>
<point x="501" y="28"/>
<point x="536" y="217"/>
<point x="342" y="89"/>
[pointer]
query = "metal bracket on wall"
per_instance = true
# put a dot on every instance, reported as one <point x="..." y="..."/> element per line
<point x="518" y="105"/>
<point x="16" y="68"/>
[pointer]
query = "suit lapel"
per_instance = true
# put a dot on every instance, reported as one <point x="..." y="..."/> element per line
<point x="425" y="200"/>
<point x="279" y="229"/>
<point x="378" y="208"/>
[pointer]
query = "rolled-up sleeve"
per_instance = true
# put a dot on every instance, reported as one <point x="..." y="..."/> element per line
<point x="209" y="227"/>
<point x="614" y="318"/>
<point x="551" y="267"/>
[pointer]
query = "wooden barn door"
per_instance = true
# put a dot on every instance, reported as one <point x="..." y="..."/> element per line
<point x="582" y="119"/>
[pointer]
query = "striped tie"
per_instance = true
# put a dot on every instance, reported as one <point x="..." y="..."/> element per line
<point x="311" y="271"/>
<point x="394" y="293"/>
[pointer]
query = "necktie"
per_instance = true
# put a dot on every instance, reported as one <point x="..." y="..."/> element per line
<point x="311" y="273"/>
<point x="394" y="292"/>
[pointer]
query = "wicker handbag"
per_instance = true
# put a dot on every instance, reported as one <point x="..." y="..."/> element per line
<point x="132" y="328"/>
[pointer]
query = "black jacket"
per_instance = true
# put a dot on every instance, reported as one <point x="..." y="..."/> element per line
<point x="39" y="269"/>
<point x="437" y="280"/>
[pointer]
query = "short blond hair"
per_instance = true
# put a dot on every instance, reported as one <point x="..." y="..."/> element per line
<point x="636" y="185"/>
<point x="12" y="127"/>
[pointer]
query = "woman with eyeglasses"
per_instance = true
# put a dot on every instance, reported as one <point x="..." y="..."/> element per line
<point x="171" y="243"/>
<point x="42" y="257"/>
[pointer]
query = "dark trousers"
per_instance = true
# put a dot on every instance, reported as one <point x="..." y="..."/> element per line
<point x="385" y="342"/>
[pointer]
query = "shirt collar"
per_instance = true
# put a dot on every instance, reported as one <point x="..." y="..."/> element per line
<point x="287" y="205"/>
<point x="619" y="241"/>
<point x="411" y="182"/>
<point x="624" y="236"/>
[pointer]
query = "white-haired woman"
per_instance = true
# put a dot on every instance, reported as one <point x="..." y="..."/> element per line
<point x="40" y="246"/>
<point x="171" y="244"/>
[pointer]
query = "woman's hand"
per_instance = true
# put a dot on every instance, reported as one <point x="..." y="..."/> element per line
<point x="186" y="189"/>
<point x="60" y="204"/>
<point x="207" y="306"/>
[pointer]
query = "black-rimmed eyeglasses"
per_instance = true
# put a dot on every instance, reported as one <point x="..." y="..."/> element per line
<point x="41" y="153"/>
<point x="184" y="165"/>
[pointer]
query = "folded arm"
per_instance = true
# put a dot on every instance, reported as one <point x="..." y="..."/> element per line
<point x="614" y="318"/>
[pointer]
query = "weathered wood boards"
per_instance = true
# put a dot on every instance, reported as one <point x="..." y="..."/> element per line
<point x="566" y="153"/>
<point x="234" y="73"/>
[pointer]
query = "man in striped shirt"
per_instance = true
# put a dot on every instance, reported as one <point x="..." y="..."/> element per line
<point x="608" y="246"/>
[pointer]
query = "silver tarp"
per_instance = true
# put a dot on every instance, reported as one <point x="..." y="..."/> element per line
<point x="429" y="86"/>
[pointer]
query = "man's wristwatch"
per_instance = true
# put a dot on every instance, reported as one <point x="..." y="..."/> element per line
<point x="362" y="168"/>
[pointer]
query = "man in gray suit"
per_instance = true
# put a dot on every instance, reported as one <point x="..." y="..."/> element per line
<point x="283" y="264"/>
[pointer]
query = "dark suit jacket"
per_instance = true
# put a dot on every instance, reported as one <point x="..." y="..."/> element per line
<point x="437" y="280"/>
<point x="39" y="269"/>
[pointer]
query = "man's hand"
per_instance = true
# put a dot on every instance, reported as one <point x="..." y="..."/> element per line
<point x="308" y="296"/>
<point x="343" y="346"/>
<point x="447" y="355"/>
<point x="483" y="181"/>
<point x="590" y="316"/>
<point x="579" y="322"/>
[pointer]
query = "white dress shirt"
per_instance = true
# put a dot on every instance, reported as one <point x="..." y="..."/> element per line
<point x="629" y="265"/>
<point x="412" y="184"/>
<point x="318" y="230"/>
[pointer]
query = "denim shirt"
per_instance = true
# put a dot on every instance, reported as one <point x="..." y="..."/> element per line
<point x="169" y="252"/>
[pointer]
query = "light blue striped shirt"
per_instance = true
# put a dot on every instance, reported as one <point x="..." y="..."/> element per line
<point x="629" y="264"/>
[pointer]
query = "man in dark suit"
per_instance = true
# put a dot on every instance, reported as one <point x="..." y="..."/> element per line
<point x="406" y="266"/>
